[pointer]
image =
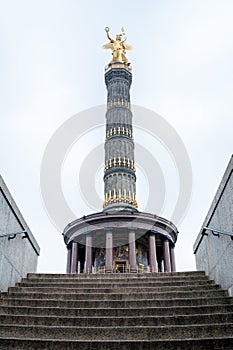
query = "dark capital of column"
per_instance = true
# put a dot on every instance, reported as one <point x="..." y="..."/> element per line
<point x="167" y="259"/>
<point x="132" y="251"/>
<point x="152" y="253"/>
<point x="173" y="261"/>
<point x="74" y="257"/>
<point x="88" y="255"/>
<point x="108" y="256"/>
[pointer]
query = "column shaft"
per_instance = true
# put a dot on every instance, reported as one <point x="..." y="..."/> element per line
<point x="119" y="190"/>
<point x="132" y="252"/>
<point x="68" y="265"/>
<point x="74" y="257"/>
<point x="88" y="255"/>
<point x="167" y="259"/>
<point x="108" y="257"/>
<point x="173" y="261"/>
<point x="152" y="254"/>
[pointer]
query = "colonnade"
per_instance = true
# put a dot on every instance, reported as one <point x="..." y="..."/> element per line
<point x="168" y="262"/>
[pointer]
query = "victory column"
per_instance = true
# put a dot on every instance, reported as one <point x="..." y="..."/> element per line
<point x="120" y="238"/>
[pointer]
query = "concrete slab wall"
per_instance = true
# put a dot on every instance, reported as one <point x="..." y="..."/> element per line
<point x="18" y="256"/>
<point x="214" y="254"/>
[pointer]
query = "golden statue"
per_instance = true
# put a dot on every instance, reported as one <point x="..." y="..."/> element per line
<point x="118" y="47"/>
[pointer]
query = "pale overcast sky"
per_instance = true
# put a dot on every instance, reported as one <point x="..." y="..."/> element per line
<point x="52" y="67"/>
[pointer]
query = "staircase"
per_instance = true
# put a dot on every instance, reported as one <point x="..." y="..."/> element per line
<point x="116" y="312"/>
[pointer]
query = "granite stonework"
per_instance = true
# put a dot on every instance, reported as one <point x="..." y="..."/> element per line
<point x="176" y="311"/>
<point x="214" y="254"/>
<point x="18" y="255"/>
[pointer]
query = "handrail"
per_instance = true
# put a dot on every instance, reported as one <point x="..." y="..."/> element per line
<point x="12" y="235"/>
<point x="216" y="232"/>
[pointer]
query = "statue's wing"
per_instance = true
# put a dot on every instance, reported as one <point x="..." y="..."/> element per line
<point x="108" y="46"/>
<point x="128" y="47"/>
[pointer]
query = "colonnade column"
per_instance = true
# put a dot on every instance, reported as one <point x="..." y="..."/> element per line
<point x="74" y="257"/>
<point x="88" y="254"/>
<point x="152" y="253"/>
<point x="68" y="264"/>
<point x="108" y="256"/>
<point x="173" y="261"/>
<point x="132" y="251"/>
<point x="167" y="260"/>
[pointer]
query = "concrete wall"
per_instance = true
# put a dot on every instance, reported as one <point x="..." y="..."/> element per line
<point x="214" y="254"/>
<point x="18" y="256"/>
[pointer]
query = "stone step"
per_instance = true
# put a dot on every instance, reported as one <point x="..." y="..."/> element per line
<point x="117" y="296"/>
<point x="189" y="274"/>
<point x="127" y="289"/>
<point x="113" y="321"/>
<point x="106" y="279"/>
<point x="129" y="303"/>
<point x="113" y="333"/>
<point x="117" y="311"/>
<point x="207" y="343"/>
<point x="112" y="284"/>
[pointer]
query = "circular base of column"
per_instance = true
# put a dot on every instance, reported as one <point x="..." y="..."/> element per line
<point x="119" y="223"/>
<point x="133" y="270"/>
<point x="117" y="207"/>
<point x="154" y="269"/>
